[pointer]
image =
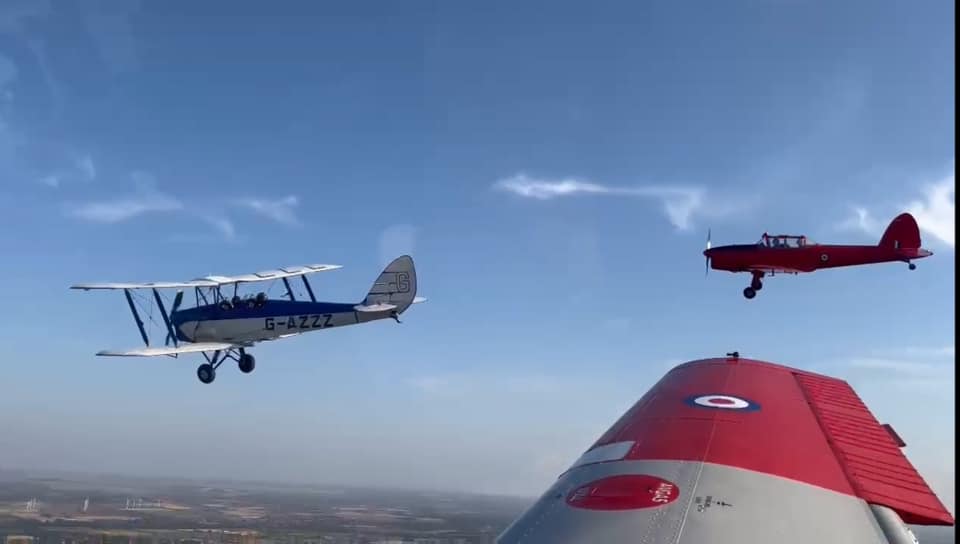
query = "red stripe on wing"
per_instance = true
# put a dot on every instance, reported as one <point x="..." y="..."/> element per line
<point x="785" y="422"/>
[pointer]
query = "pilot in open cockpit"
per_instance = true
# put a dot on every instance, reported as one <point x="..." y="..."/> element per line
<point x="250" y="301"/>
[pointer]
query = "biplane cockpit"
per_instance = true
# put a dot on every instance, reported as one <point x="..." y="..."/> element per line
<point x="783" y="241"/>
<point x="250" y="301"/>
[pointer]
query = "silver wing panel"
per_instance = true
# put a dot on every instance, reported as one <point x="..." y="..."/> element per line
<point x="712" y="504"/>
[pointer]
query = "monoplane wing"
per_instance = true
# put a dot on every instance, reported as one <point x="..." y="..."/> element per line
<point x="214" y="281"/>
<point x="769" y="269"/>
<point x="737" y="451"/>
<point x="174" y="350"/>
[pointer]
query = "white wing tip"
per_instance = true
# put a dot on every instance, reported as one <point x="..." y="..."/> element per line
<point x="418" y="300"/>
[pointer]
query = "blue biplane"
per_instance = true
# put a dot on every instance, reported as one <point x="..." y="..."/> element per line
<point x="223" y="327"/>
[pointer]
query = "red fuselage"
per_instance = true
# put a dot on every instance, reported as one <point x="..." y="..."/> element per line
<point x="761" y="258"/>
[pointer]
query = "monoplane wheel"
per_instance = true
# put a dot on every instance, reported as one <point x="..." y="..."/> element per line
<point x="206" y="373"/>
<point x="247" y="363"/>
<point x="912" y="266"/>
<point x="749" y="292"/>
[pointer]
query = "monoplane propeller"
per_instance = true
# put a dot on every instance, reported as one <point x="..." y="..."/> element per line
<point x="707" y="271"/>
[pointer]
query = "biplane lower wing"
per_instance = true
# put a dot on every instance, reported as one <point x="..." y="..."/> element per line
<point x="198" y="347"/>
<point x="737" y="451"/>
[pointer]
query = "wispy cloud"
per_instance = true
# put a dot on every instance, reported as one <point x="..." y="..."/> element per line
<point x="861" y="220"/>
<point x="922" y="366"/>
<point x="429" y="384"/>
<point x="223" y="225"/>
<point x="397" y="240"/>
<point x="460" y="384"/>
<point x="86" y="167"/>
<point x="281" y="210"/>
<point x="935" y="213"/>
<point x="679" y="203"/>
<point x="124" y="208"/>
<point x="82" y="168"/>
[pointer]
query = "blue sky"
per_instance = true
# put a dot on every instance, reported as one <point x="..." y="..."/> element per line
<point x="553" y="170"/>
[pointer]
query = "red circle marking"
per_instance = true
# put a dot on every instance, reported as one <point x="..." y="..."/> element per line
<point x="624" y="492"/>
<point x="720" y="401"/>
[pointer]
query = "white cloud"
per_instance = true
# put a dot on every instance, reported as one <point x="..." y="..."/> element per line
<point x="679" y="203"/>
<point x="116" y="210"/>
<point x="936" y="214"/>
<point x="461" y="384"/>
<point x="861" y="220"/>
<point x="396" y="240"/>
<point x="280" y="210"/>
<point x="85" y="165"/>
<point x="14" y="13"/>
<point x="223" y="225"/>
<point x="429" y="384"/>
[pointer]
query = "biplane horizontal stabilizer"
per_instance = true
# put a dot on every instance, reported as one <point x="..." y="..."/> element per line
<point x="381" y="307"/>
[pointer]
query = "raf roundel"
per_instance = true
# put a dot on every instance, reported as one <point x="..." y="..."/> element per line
<point x="721" y="402"/>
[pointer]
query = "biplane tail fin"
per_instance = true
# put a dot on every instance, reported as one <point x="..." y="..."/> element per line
<point x="395" y="287"/>
<point x="902" y="233"/>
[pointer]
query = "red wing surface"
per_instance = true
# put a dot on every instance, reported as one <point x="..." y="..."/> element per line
<point x="737" y="451"/>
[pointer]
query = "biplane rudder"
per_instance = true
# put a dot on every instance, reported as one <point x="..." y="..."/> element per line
<point x="902" y="233"/>
<point x="396" y="285"/>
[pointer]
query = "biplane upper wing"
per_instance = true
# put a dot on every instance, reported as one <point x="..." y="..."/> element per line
<point x="214" y="281"/>
<point x="174" y="350"/>
<point x="737" y="451"/>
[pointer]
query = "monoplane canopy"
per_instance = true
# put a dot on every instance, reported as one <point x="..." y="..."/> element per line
<point x="783" y="240"/>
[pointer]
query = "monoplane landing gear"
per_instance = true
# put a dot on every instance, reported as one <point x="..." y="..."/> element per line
<point x="756" y="284"/>
<point x="911" y="266"/>
<point x="246" y="363"/>
<point x="206" y="373"/>
<point x="395" y="316"/>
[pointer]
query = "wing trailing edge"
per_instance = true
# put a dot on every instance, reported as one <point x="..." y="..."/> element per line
<point x="171" y="350"/>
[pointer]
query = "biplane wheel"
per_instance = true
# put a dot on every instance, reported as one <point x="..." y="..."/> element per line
<point x="749" y="292"/>
<point x="206" y="373"/>
<point x="247" y="363"/>
<point x="911" y="266"/>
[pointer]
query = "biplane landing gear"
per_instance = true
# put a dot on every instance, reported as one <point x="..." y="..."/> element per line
<point x="749" y="292"/>
<point x="246" y="363"/>
<point x="206" y="373"/>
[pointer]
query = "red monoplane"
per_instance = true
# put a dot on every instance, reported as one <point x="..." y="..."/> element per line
<point x="790" y="254"/>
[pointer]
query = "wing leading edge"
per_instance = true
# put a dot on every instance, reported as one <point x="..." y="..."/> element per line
<point x="214" y="281"/>
<point x="737" y="450"/>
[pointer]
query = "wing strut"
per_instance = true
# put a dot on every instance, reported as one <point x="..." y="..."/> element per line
<point x="309" y="290"/>
<point x="136" y="317"/>
<point x="166" y="318"/>
<point x="286" y="283"/>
